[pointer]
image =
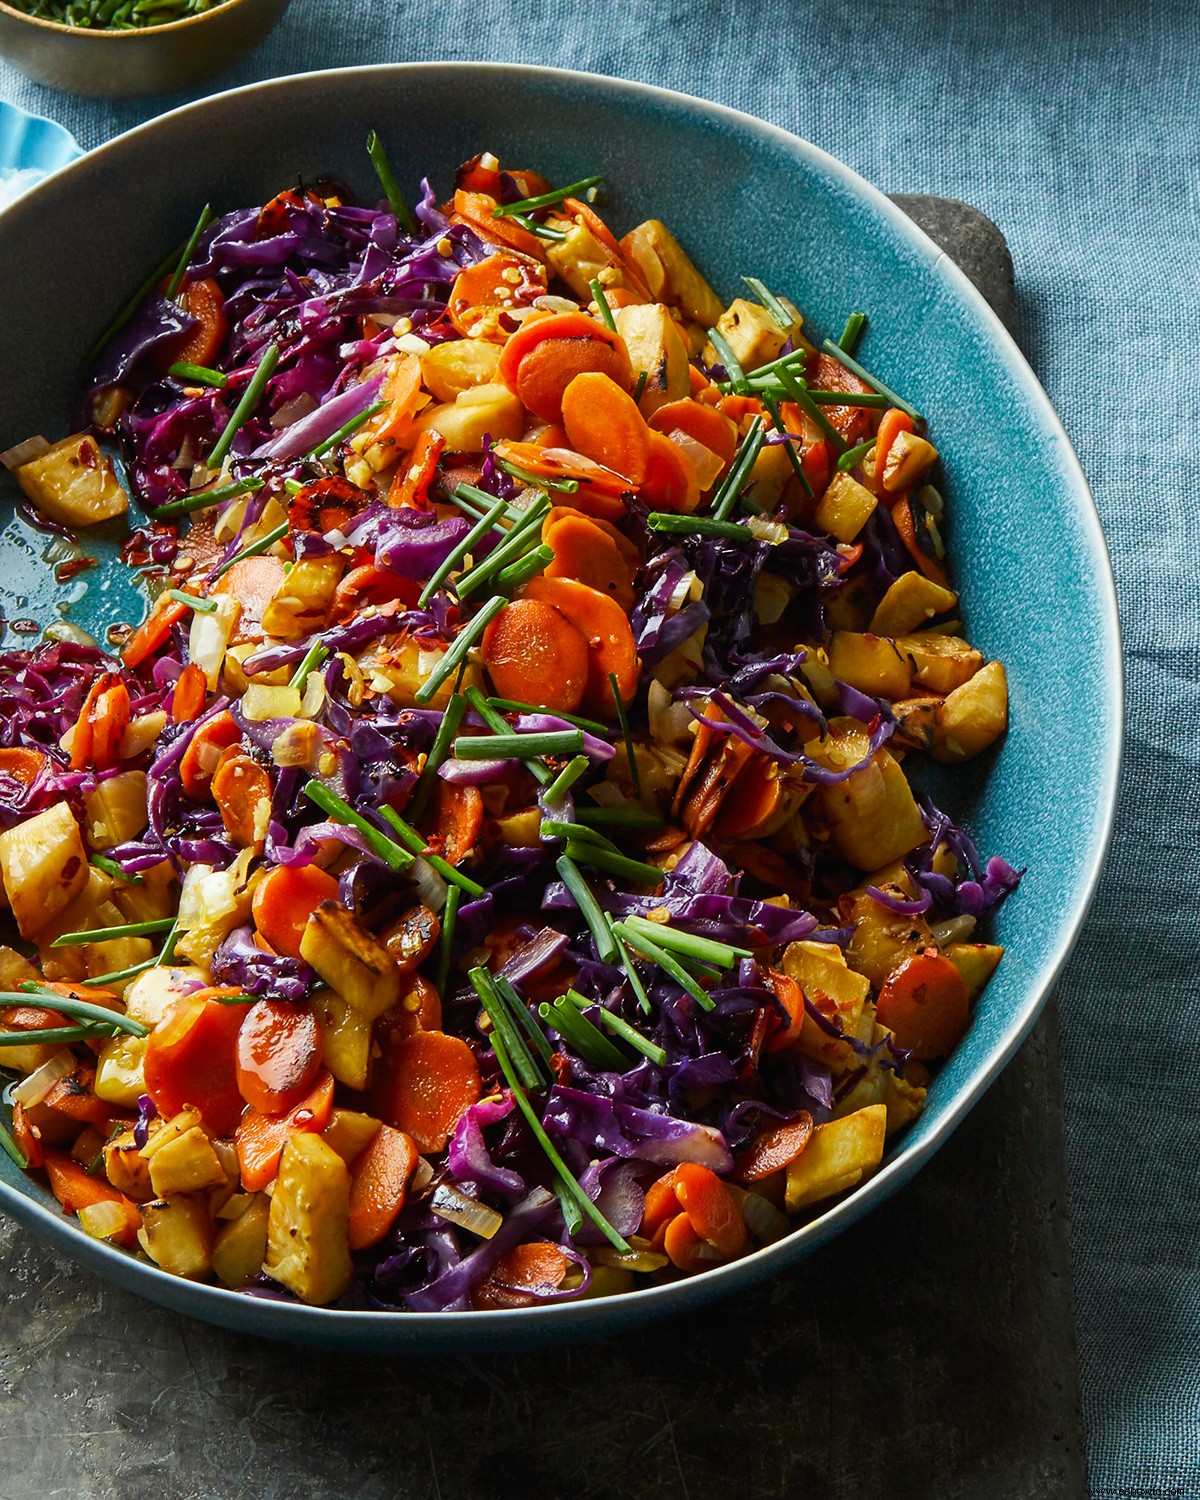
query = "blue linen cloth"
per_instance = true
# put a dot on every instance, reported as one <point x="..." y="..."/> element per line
<point x="1072" y="126"/>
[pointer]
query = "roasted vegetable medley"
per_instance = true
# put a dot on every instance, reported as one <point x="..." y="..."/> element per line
<point x="490" y="874"/>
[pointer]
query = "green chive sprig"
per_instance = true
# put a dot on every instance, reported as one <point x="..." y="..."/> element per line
<point x="584" y="1038"/>
<point x="189" y="250"/>
<point x="735" y="481"/>
<point x="865" y="375"/>
<point x="107" y="934"/>
<point x="602" y="934"/>
<point x="665" y="960"/>
<point x="198" y="374"/>
<point x="618" y="865"/>
<point x="518" y="746"/>
<point x="67" y="1005"/>
<point x="451" y="721"/>
<point x="504" y="1027"/>
<point x="546" y="200"/>
<point x="515" y="706"/>
<point x="340" y="811"/>
<point x="391" y="188"/>
<point x="463" y="641"/>
<point x="245" y="407"/>
<point x="707" y="950"/>
<point x="313" y="658"/>
<point x="111" y="868"/>
<point x="853" y="456"/>
<point x="441" y="978"/>
<point x="566" y="779"/>
<point x="852" y="332"/>
<point x="779" y="314"/>
<point x="733" y="367"/>
<point x="619" y="817"/>
<point x="193" y="602"/>
<point x="416" y="845"/>
<point x="205" y="499"/>
<point x="606" y="312"/>
<point x="346" y="430"/>
<point x="465" y="548"/>
<point x="620" y="1027"/>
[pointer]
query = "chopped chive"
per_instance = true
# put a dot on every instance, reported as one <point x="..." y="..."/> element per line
<point x="347" y="429"/>
<point x="524" y="569"/>
<point x="876" y="385"/>
<point x="625" y="1031"/>
<point x="538" y="481"/>
<point x="477" y="502"/>
<point x="105" y="934"/>
<point x="789" y="447"/>
<point x="551" y="1152"/>
<point x="419" y="846"/>
<point x="204" y="499"/>
<point x="566" y="779"/>
<point x="198" y="374"/>
<point x="614" y="864"/>
<point x="521" y="537"/>
<point x="52" y="1034"/>
<point x="11" y="1149"/>
<point x="447" y="729"/>
<point x="779" y="314"/>
<point x="623" y="721"/>
<point x="241" y="412"/>
<point x="236" y="999"/>
<point x="572" y="877"/>
<point x="391" y="188"/>
<point x="582" y="1036"/>
<point x="457" y="652"/>
<point x="542" y="231"/>
<point x="554" y="828"/>
<point x="167" y="952"/>
<point x="618" y="817"/>
<point x="446" y="947"/>
<point x="135" y="301"/>
<point x="252" y="549"/>
<point x="341" y="812"/>
<point x="193" y="601"/>
<point x="667" y="962"/>
<point x="466" y="546"/>
<point x="572" y="1218"/>
<point x="707" y="950"/>
<point x="798" y="392"/>
<point x="606" y="314"/>
<point x="848" y="398"/>
<point x="518" y="746"/>
<point x="504" y="1029"/>
<point x="83" y="1010"/>
<point x="483" y="707"/>
<point x="734" y="531"/>
<point x="515" y="706"/>
<point x="118" y="976"/>
<point x="189" y="249"/>
<point x="625" y="958"/>
<point x="853" y="456"/>
<point x="545" y="200"/>
<point x="525" y="1021"/>
<point x="728" y="494"/>
<point x="641" y="386"/>
<point x="730" y="361"/>
<point x="110" y="867"/>
<point x="293" y="486"/>
<point x="314" y="657"/>
<point x="852" y="332"/>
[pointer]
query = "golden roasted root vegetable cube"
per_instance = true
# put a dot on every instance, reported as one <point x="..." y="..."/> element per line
<point x="908" y="460"/>
<point x="976" y="962"/>
<point x="655" y="345"/>
<point x="186" y="1164"/>
<point x="882" y="938"/>
<point x="115" y="956"/>
<point x="350" y="960"/>
<point x="127" y="1169"/>
<point x="903" y="1101"/>
<point x="940" y="662"/>
<point x="837" y="1156"/>
<point x="912" y="600"/>
<point x="157" y="896"/>
<point x="872" y="815"/>
<point x="74" y="483"/>
<point x="119" y="1077"/>
<point x="15" y="968"/>
<point x="345" y="1038"/>
<point x="845" y="508"/>
<point x="973" y="716"/>
<point x="916" y="722"/>
<point x="241" y="1244"/>
<point x="116" y="809"/>
<point x="478" y="412"/>
<point x="350" y="1132"/>
<point x="835" y="989"/>
<point x="451" y="368"/>
<point x="177" y="1234"/>
<point x="44" y="867"/>
<point x="170" y="1130"/>
<point x="308" y="1230"/>
<point x="521" y="829"/>
<point x="302" y="602"/>
<point x="148" y="997"/>
<point x="768" y="478"/>
<point x="751" y="332"/>
<point x="669" y="273"/>
<point x="870" y="663"/>
<point x="579" y="259"/>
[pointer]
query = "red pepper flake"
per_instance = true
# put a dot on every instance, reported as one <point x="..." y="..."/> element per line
<point x="72" y="568"/>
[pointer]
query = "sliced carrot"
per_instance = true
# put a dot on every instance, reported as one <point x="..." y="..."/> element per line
<point x="206" y="303"/>
<point x="585" y="550"/>
<point x="606" y="629"/>
<point x="285" y="899"/>
<point x="379" y="1185"/>
<point x="411" y="938"/>
<point x="542" y="326"/>
<point x="484" y="292"/>
<point x="204" y="752"/>
<point x="789" y="994"/>
<point x="703" y="424"/>
<point x="522" y="1276"/>
<point x="454" y="819"/>
<point x="661" y="1205"/>
<point x="924" y="1003"/>
<point x="260" y="1138"/>
<point x="27" y="1136"/>
<point x="715" y="1213"/>
<point x="372" y="585"/>
<point x="191" y="690"/>
<point x="191" y="1058"/>
<point x="154" y="632"/>
<point x="670" y="481"/>
<point x="420" y="1009"/>
<point x="604" y="424"/>
<point x="278" y="1055"/>
<point x="109" y="721"/>
<point x="752" y="801"/>
<point x="275" y="217"/>
<point x="253" y="582"/>
<point x="774" y="1149"/>
<point x="599" y="491"/>
<point x="684" y="1245"/>
<point x="552" y="365"/>
<point x="81" y="741"/>
<point x="75" y="1188"/>
<point x="578" y="209"/>
<point x="22" y="764"/>
<point x="533" y="653"/>
<point x="325" y="505"/>
<point x="401" y="389"/>
<point x="74" y="1095"/>
<point x="410" y="485"/>
<point x="476" y="209"/>
<point x="739" y="409"/>
<point x="853" y="422"/>
<point x="430" y="1081"/>
<point x="903" y="514"/>
<point x="891" y="425"/>
<point x="241" y="789"/>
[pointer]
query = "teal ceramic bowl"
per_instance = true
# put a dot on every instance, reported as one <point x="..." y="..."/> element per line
<point x="746" y="198"/>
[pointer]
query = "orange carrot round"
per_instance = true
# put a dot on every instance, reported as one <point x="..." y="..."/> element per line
<point x="774" y="1149"/>
<point x="584" y="549"/>
<point x="604" y="424"/>
<point x="260" y="1138"/>
<point x="278" y="1055"/>
<point x="204" y="752"/>
<point x="187" y="701"/>
<point x="253" y="582"/>
<point x="240" y="788"/>
<point x="661" y="1205"/>
<point x="684" y="1245"/>
<point x="476" y="209"/>
<point x="154" y="632"/>
<point x="522" y="1275"/>
<point x="702" y="423"/>
<point x="606" y="629"/>
<point x="22" y="764"/>
<point x="75" y="1188"/>
<point x="206" y="303"/>
<point x="715" y="1213"/>
<point x="568" y="325"/>
<point x="455" y="819"/>
<point x="552" y="365"/>
<point x="670" y="481"/>
<point x="191" y="1059"/>
<point x="379" y="1185"/>
<point x="533" y="653"/>
<point x="411" y="938"/>
<point x="789" y="994"/>
<point x="430" y="1083"/>
<point x="925" y="1005"/>
<point x="484" y="292"/>
<point x="285" y="899"/>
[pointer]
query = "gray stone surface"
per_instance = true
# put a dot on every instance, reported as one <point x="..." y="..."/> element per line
<point x="928" y="1352"/>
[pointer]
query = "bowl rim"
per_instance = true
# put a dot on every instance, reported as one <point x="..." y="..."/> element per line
<point x="167" y="28"/>
<point x="346" y="1327"/>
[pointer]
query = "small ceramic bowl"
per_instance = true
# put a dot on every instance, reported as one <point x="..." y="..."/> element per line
<point x="122" y="64"/>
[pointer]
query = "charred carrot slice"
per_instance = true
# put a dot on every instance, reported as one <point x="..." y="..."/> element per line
<point x="606" y="629"/>
<point x="484" y="292"/>
<point x="27" y="1136"/>
<point x="379" y="1185"/>
<point x="533" y="653"/>
<point x="714" y="1212"/>
<point x="285" y="899"/>
<point x="278" y="1055"/>
<point x="204" y="752"/>
<point x="242" y="791"/>
<point x="430" y="1083"/>
<point x="604" y="424"/>
<point x="75" y="1188"/>
<point x="260" y="1138"/>
<point x="853" y="422"/>
<point x="903" y="514"/>
<point x="774" y="1149"/>
<point x="410" y="487"/>
<point x="154" y="632"/>
<point x="74" y="1096"/>
<point x="925" y="1005"/>
<point x="191" y="690"/>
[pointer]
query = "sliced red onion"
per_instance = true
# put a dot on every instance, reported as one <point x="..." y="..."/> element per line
<point x="898" y="904"/>
<point x="533" y="955"/>
<point x="309" y="431"/>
